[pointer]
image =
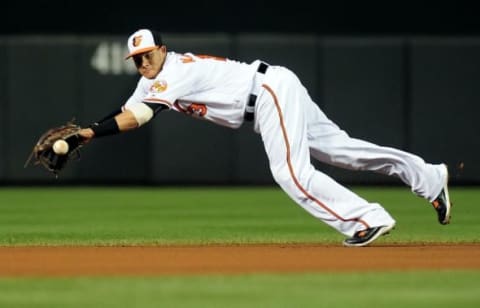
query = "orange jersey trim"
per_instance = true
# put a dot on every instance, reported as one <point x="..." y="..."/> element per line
<point x="159" y="101"/>
<point x="212" y="57"/>
<point x="189" y="59"/>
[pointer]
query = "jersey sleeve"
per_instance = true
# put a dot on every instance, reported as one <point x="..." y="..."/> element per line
<point x="178" y="78"/>
<point x="137" y="97"/>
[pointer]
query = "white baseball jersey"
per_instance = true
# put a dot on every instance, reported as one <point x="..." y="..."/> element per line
<point x="293" y="128"/>
<point x="182" y="86"/>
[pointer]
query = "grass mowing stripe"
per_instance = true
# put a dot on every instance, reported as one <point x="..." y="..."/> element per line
<point x="152" y="216"/>
<point x="393" y="289"/>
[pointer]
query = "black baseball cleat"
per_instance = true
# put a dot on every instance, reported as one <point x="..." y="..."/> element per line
<point x="365" y="237"/>
<point x="442" y="204"/>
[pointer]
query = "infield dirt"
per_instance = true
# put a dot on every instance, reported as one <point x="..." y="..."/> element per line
<point x="217" y="259"/>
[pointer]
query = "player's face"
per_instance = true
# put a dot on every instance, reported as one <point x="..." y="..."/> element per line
<point x="149" y="64"/>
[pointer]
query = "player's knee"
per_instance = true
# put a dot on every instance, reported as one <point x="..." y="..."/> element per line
<point x="284" y="178"/>
<point x="280" y="174"/>
<point x="294" y="184"/>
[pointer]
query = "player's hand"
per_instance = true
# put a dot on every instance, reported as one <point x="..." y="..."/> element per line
<point x="87" y="134"/>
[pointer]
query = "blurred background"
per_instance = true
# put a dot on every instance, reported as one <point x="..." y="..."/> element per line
<point x="398" y="74"/>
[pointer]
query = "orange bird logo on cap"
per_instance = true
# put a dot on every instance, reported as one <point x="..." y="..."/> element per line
<point x="137" y="40"/>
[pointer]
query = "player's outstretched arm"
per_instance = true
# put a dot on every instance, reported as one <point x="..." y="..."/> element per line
<point x="135" y="116"/>
<point x="126" y="121"/>
<point x="122" y="122"/>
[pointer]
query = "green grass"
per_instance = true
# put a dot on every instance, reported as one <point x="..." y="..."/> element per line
<point x="152" y="216"/>
<point x="395" y="289"/>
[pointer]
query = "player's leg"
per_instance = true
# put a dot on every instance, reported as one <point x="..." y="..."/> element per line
<point x="330" y="144"/>
<point x="281" y="121"/>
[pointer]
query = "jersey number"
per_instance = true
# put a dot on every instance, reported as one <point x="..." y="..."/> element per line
<point x="197" y="109"/>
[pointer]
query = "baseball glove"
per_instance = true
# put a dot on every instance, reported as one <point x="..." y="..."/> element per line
<point x="43" y="152"/>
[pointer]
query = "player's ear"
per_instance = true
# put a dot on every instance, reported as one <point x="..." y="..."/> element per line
<point x="163" y="48"/>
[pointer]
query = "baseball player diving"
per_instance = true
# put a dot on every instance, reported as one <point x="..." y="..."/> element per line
<point x="292" y="127"/>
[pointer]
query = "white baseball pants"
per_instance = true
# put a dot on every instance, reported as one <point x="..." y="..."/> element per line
<point x="293" y="128"/>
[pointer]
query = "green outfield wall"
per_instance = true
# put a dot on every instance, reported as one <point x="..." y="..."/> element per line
<point x="417" y="93"/>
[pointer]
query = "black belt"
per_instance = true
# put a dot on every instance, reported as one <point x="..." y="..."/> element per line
<point x="252" y="98"/>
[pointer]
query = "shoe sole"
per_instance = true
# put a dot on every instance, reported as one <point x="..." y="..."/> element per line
<point x="447" y="198"/>
<point x="382" y="231"/>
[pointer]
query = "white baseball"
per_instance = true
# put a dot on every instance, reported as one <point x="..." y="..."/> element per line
<point x="60" y="147"/>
